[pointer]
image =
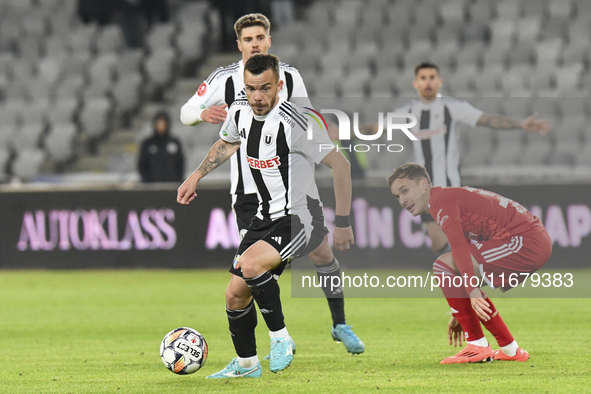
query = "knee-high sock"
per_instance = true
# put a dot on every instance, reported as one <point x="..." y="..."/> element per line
<point x="497" y="326"/>
<point x="335" y="297"/>
<point x="242" y="324"/>
<point x="458" y="300"/>
<point x="265" y="291"/>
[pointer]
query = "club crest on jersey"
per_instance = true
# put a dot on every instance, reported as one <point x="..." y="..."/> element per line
<point x="261" y="164"/>
<point x="268" y="139"/>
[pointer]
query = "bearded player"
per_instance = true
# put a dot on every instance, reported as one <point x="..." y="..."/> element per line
<point x="226" y="85"/>
<point x="492" y="238"/>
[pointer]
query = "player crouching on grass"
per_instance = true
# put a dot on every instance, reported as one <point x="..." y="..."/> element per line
<point x="491" y="238"/>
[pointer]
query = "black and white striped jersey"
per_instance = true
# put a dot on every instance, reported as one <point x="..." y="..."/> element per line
<point x="437" y="147"/>
<point x="279" y="155"/>
<point x="224" y="86"/>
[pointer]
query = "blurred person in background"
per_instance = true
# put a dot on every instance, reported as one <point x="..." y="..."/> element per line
<point x="437" y="146"/>
<point x="161" y="155"/>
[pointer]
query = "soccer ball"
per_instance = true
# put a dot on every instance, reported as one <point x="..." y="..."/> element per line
<point x="183" y="350"/>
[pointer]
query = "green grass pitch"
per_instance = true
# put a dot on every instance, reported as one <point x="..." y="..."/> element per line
<point x="100" y="331"/>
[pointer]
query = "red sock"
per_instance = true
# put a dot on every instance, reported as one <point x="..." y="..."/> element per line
<point x="497" y="327"/>
<point x="459" y="301"/>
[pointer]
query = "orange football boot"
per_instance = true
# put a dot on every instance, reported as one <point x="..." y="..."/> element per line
<point x="471" y="354"/>
<point x="521" y="355"/>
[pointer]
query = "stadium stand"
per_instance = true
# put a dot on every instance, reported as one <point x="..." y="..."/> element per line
<point x="73" y="92"/>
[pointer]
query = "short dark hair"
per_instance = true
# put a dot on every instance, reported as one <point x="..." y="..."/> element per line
<point x="426" y="65"/>
<point x="250" y="20"/>
<point x="261" y="62"/>
<point x="411" y="171"/>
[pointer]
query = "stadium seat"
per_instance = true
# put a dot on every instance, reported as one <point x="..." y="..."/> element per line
<point x="28" y="164"/>
<point x="27" y="136"/>
<point x="60" y="142"/>
<point x="13" y="111"/>
<point x="528" y="30"/>
<point x="355" y="84"/>
<point x="7" y="132"/>
<point x="30" y="47"/>
<point x="190" y="41"/>
<point x="50" y="69"/>
<point x="453" y="12"/>
<point x="23" y="69"/>
<point x="400" y="14"/>
<point x="127" y="91"/>
<point x="374" y="16"/>
<point x="83" y="39"/>
<point x="63" y="110"/>
<point x="347" y="13"/>
<point x="159" y="66"/>
<point x="446" y="53"/>
<point x="560" y="9"/>
<point x="192" y="13"/>
<point x="548" y="51"/>
<point x="508" y="10"/>
<point x="110" y="39"/>
<point x="554" y="28"/>
<point x="9" y="33"/>
<point x="4" y="159"/>
<point x="481" y="12"/>
<point x="287" y="53"/>
<point x="161" y="35"/>
<point x="94" y="116"/>
<point x="129" y="62"/>
<point x="383" y="84"/>
<point x="426" y="16"/>
<point x="57" y="46"/>
<point x="536" y="151"/>
<point x="522" y="54"/>
<point x="502" y="31"/>
<point x="509" y="146"/>
<point x="534" y="8"/>
<point x="568" y="77"/>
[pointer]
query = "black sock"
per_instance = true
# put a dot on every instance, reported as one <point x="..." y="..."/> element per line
<point x="335" y="297"/>
<point x="242" y="324"/>
<point x="265" y="291"/>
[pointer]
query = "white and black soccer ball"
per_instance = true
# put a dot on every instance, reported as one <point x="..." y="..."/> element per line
<point x="183" y="350"/>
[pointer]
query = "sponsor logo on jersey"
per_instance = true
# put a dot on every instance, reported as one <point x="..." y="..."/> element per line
<point x="441" y="220"/>
<point x="287" y="118"/>
<point x="202" y="89"/>
<point x="427" y="134"/>
<point x="260" y="164"/>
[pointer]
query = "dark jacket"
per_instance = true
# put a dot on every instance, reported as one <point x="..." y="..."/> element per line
<point x="161" y="159"/>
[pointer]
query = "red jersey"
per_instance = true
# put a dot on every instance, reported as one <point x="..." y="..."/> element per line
<point x="466" y="213"/>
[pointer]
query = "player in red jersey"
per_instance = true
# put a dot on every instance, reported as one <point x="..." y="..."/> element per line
<point x="491" y="237"/>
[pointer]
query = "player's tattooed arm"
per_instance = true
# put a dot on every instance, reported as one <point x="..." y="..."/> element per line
<point x="218" y="154"/>
<point x="495" y="121"/>
<point x="531" y="123"/>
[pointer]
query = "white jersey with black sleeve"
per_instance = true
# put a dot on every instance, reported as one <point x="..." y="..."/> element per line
<point x="226" y="85"/>
<point x="437" y="147"/>
<point x="280" y="157"/>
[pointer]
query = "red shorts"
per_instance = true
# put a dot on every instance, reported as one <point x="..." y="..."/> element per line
<point x="498" y="259"/>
